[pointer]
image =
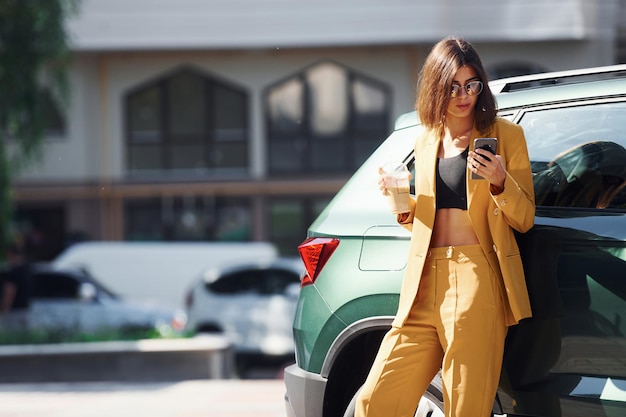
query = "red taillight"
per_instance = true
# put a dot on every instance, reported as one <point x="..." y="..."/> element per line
<point x="315" y="252"/>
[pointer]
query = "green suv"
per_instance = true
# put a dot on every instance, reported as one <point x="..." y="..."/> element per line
<point x="570" y="358"/>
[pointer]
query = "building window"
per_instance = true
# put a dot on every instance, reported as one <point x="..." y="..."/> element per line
<point x="189" y="218"/>
<point x="187" y="124"/>
<point x="290" y="219"/>
<point x="325" y="119"/>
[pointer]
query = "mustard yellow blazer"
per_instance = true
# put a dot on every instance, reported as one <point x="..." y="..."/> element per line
<point x="494" y="217"/>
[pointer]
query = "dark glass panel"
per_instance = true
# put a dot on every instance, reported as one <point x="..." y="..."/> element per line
<point x="230" y="115"/>
<point x="364" y="146"/>
<point x="287" y="219"/>
<point x="230" y="155"/>
<point x="190" y="219"/>
<point x="187" y="105"/>
<point x="144" y="116"/>
<point x="328" y="155"/>
<point x="145" y="157"/>
<point x="234" y="222"/>
<point x="144" y="221"/>
<point x="287" y="155"/>
<point x="189" y="157"/>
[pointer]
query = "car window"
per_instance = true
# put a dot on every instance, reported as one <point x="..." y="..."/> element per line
<point x="277" y="280"/>
<point x="261" y="281"/>
<point x="237" y="283"/>
<point x="54" y="286"/>
<point x="578" y="155"/>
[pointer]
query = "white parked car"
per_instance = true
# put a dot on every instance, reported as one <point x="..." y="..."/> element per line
<point x="71" y="301"/>
<point x="251" y="302"/>
<point x="155" y="271"/>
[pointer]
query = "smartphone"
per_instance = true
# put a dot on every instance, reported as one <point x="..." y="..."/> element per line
<point x="489" y="144"/>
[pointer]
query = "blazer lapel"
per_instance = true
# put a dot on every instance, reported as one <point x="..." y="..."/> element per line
<point x="428" y="160"/>
<point x="472" y="185"/>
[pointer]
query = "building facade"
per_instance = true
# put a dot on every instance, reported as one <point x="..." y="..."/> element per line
<point x="231" y="121"/>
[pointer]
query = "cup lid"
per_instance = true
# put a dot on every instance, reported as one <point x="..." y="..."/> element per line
<point x="394" y="166"/>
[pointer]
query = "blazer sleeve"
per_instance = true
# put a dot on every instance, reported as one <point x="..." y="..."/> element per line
<point x="517" y="200"/>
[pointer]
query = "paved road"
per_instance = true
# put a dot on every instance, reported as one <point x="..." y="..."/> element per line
<point x="201" y="398"/>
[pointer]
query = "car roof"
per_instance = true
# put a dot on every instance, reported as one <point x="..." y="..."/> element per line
<point x="539" y="80"/>
<point x="547" y="88"/>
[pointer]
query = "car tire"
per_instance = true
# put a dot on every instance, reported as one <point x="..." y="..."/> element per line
<point x="430" y="405"/>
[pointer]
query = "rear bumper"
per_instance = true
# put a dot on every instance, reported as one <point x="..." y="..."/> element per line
<point x="305" y="392"/>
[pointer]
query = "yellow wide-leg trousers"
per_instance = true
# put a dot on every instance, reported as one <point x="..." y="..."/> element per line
<point x="456" y="325"/>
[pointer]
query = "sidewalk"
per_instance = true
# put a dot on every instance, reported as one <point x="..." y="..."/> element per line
<point x="198" y="398"/>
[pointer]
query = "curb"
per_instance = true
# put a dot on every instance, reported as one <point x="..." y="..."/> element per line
<point x="202" y="357"/>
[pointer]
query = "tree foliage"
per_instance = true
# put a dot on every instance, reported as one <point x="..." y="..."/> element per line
<point x="34" y="64"/>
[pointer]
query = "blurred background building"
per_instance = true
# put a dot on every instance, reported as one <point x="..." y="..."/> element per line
<point x="235" y="120"/>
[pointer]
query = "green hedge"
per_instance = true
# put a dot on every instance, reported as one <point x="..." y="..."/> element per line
<point x="64" y="336"/>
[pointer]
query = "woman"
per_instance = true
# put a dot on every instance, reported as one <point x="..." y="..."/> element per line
<point x="464" y="282"/>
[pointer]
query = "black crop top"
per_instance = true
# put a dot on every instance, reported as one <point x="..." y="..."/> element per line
<point x="451" y="185"/>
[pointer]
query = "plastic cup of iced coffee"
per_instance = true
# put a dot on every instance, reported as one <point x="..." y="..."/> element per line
<point x="396" y="178"/>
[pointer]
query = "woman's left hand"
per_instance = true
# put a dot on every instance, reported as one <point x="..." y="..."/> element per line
<point x="488" y="166"/>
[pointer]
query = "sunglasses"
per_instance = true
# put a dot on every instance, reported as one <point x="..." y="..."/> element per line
<point x="473" y="88"/>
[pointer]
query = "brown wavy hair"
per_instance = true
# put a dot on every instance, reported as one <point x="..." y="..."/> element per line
<point x="435" y="82"/>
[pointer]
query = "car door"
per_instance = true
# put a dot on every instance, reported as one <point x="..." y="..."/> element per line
<point x="59" y="304"/>
<point x="569" y="358"/>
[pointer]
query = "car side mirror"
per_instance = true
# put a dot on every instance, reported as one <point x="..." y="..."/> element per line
<point x="87" y="291"/>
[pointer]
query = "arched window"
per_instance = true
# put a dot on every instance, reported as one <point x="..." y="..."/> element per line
<point x="325" y="119"/>
<point x="188" y="124"/>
